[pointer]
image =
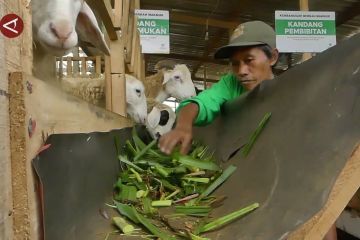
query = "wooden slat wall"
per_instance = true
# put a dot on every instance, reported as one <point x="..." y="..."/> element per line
<point x="125" y="51"/>
<point x="5" y="170"/>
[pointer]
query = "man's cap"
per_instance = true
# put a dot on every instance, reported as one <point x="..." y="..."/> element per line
<point x="248" y="34"/>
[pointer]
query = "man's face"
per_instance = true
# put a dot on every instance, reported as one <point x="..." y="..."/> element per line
<point x="252" y="66"/>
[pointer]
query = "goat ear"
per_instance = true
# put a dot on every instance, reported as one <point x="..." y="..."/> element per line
<point x="153" y="117"/>
<point x="88" y="29"/>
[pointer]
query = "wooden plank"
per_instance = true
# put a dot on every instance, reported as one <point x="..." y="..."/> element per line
<point x="108" y="85"/>
<point x="117" y="56"/>
<point x="132" y="25"/>
<point x="118" y="13"/>
<point x="118" y="94"/>
<point x="139" y="57"/>
<point x="179" y="17"/>
<point x="125" y="21"/>
<point x="304" y="6"/>
<point x="134" y="45"/>
<point x="69" y="66"/>
<point x="137" y="4"/>
<point x="89" y="58"/>
<point x="6" y="224"/>
<point x="136" y="51"/>
<point x="61" y="70"/>
<point x="105" y="15"/>
<point x="83" y="67"/>
<point x="143" y="67"/>
<point x="344" y="188"/>
<point x="98" y="65"/>
<point x="19" y="171"/>
<point x="191" y="58"/>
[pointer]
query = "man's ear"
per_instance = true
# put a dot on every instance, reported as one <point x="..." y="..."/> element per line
<point x="274" y="56"/>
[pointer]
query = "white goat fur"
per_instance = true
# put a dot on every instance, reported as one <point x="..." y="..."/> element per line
<point x="171" y="80"/>
<point x="135" y="99"/>
<point x="58" y="26"/>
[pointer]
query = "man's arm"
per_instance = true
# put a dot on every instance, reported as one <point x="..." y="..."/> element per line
<point x="200" y="110"/>
<point x="183" y="131"/>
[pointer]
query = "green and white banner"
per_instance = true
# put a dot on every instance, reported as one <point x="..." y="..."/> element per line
<point x="303" y="31"/>
<point x="154" y="30"/>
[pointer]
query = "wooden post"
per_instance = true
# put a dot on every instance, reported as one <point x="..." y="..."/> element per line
<point x="125" y="21"/>
<point x="134" y="45"/>
<point x="76" y="64"/>
<point x="83" y="66"/>
<point x="69" y="67"/>
<point x="118" y="13"/>
<point x="6" y="200"/>
<point x="98" y="64"/>
<point x="61" y="70"/>
<point x="205" y="76"/>
<point x="131" y="26"/>
<point x="304" y="6"/>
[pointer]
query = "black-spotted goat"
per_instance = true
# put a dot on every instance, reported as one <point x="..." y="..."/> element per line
<point x="160" y="120"/>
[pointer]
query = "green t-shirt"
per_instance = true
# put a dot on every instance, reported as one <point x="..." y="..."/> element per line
<point x="211" y="100"/>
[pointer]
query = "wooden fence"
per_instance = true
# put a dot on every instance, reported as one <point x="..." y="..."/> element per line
<point x="80" y="61"/>
<point x="123" y="39"/>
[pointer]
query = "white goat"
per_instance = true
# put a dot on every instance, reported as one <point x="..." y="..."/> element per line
<point x="58" y="26"/>
<point x="171" y="80"/>
<point x="136" y="105"/>
<point x="160" y="120"/>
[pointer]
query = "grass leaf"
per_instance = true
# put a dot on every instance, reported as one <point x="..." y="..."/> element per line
<point x="222" y="178"/>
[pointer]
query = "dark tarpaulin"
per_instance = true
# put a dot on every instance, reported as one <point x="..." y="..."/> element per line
<point x="290" y="170"/>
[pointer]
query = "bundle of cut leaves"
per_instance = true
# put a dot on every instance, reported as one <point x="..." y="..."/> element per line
<point x="169" y="195"/>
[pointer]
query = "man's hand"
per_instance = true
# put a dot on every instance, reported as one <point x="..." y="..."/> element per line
<point x="183" y="132"/>
<point x="180" y="135"/>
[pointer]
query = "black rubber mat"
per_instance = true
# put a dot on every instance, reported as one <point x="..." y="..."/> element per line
<point x="290" y="170"/>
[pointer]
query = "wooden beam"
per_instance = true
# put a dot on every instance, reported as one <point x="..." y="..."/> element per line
<point x="132" y="27"/>
<point x="98" y="64"/>
<point x="210" y="44"/>
<point x="179" y="17"/>
<point x="346" y="185"/>
<point x="69" y="66"/>
<point x="91" y="58"/>
<point x="118" y="12"/>
<point x="108" y="85"/>
<point x="83" y="67"/>
<point x="348" y="13"/>
<point x="19" y="171"/>
<point x="190" y="58"/>
<point x="304" y="6"/>
<point x="106" y="16"/>
<point x="125" y="22"/>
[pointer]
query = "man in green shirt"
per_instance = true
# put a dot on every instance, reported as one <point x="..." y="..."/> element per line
<point x="252" y="53"/>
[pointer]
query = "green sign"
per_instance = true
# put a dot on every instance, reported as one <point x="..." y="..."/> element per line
<point x="303" y="31"/>
<point x="153" y="26"/>
<point x="305" y="27"/>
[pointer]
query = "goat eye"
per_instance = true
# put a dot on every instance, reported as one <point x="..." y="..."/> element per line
<point x="138" y="90"/>
<point x="176" y="77"/>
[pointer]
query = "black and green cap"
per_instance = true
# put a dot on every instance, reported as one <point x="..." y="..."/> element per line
<point x="248" y="34"/>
